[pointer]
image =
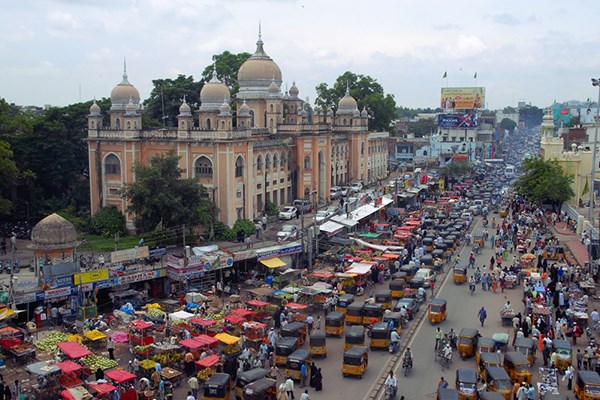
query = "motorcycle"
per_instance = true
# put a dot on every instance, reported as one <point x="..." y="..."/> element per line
<point x="389" y="392"/>
<point x="407" y="365"/>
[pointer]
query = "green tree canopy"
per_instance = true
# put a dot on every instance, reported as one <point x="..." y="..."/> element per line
<point x="160" y="196"/>
<point x="227" y="65"/>
<point x="367" y="92"/>
<point x="544" y="181"/>
<point x="8" y="177"/>
<point x="508" y="124"/>
<point x="531" y="115"/>
<point x="171" y="92"/>
<point x="456" y="169"/>
<point x="423" y="127"/>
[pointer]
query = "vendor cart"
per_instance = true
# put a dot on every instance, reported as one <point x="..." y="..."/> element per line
<point x="46" y="383"/>
<point x="256" y="334"/>
<point x="207" y="366"/>
<point x="147" y="368"/>
<point x="171" y="375"/>
<point x="73" y="350"/>
<point x="22" y="353"/>
<point x="95" y="339"/>
<point x="208" y="327"/>
<point x="260" y="308"/>
<point x="229" y="345"/>
<point x="102" y="391"/>
<point x="76" y="393"/>
<point x="199" y="344"/>
<point x="125" y="382"/>
<point x="507" y="317"/>
<point x="510" y="281"/>
<point x="71" y="375"/>
<point x="234" y="324"/>
<point x="246" y="314"/>
<point x="139" y="332"/>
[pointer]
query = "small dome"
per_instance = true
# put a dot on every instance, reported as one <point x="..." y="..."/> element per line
<point x="225" y="109"/>
<point x="184" y="109"/>
<point x="131" y="108"/>
<point x="294" y="91"/>
<point x="95" y="110"/>
<point x="244" y="110"/>
<point x="347" y="104"/>
<point x="364" y="113"/>
<point x="273" y="88"/>
<point x="123" y="92"/>
<point x="213" y="93"/>
<point x="54" y="232"/>
<point x="356" y="113"/>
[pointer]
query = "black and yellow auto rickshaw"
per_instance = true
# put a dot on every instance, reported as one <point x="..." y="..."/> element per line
<point x="488" y="360"/>
<point x="554" y="252"/>
<point x="466" y="383"/>
<point x="380" y="336"/>
<point x="397" y="287"/>
<point x="517" y="366"/>
<point x="587" y="385"/>
<point x="372" y="313"/>
<point x="217" y="387"/>
<point x="409" y="270"/>
<point x="437" y="311"/>
<point x="355" y="361"/>
<point x="428" y="243"/>
<point x="355" y="336"/>
<point x="467" y="340"/>
<point x="262" y="389"/>
<point x="484" y="345"/>
<point x="447" y="394"/>
<point x="527" y="347"/>
<point x="343" y="302"/>
<point x="354" y="313"/>
<point x="459" y="274"/>
<point x="415" y="284"/>
<point x="335" y="323"/>
<point x="247" y="377"/>
<point x="395" y="318"/>
<point x="497" y="380"/>
<point x="564" y="353"/>
<point x="294" y="363"/>
<point x="503" y="212"/>
<point x="384" y="297"/>
<point x="296" y="329"/>
<point x="318" y="344"/>
<point x="283" y="348"/>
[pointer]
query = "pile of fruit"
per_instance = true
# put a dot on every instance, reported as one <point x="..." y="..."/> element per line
<point x="143" y="349"/>
<point x="230" y="349"/>
<point x="167" y="358"/>
<point x="217" y="317"/>
<point x="155" y="313"/>
<point x="49" y="342"/>
<point x="96" y="362"/>
<point x="205" y="373"/>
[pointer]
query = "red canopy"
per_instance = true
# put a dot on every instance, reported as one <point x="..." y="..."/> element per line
<point x="69" y="366"/>
<point x="324" y="275"/>
<point x="243" y="313"/>
<point x="73" y="349"/>
<point x="206" y="340"/>
<point x="203" y="322"/>
<point x="120" y="375"/>
<point x="190" y="343"/>
<point x="296" y="306"/>
<point x="67" y="395"/>
<point x="208" y="362"/>
<point x="103" y="388"/>
<point x="257" y="303"/>
<point x="234" y="319"/>
<point x="390" y="255"/>
<point x="139" y="324"/>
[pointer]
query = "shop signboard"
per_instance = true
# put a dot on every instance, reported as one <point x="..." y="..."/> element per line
<point x="174" y="262"/>
<point x="139" y="277"/>
<point x="29" y="285"/>
<point x="457" y="120"/>
<point x="91" y="276"/>
<point x="196" y="261"/>
<point x="462" y="98"/>
<point x="129" y="254"/>
<point x="60" y="292"/>
<point x="156" y="252"/>
<point x="26" y="298"/>
<point x="279" y="251"/>
<point x="59" y="282"/>
<point x="88" y="287"/>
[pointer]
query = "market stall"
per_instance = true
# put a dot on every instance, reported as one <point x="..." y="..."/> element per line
<point x="229" y="345"/>
<point x="139" y="332"/>
<point x="71" y="374"/>
<point x="103" y="391"/>
<point x="125" y="382"/>
<point x="46" y="374"/>
<point x="205" y="326"/>
<point x="73" y="350"/>
<point x="76" y="393"/>
<point x="206" y="366"/>
<point x="95" y="339"/>
<point x="256" y="334"/>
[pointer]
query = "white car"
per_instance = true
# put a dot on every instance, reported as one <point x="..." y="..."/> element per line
<point x="335" y="192"/>
<point x="427" y="274"/>
<point x="322" y="215"/>
<point x="287" y="232"/>
<point x="356" y="187"/>
<point x="288" y="212"/>
<point x="344" y="191"/>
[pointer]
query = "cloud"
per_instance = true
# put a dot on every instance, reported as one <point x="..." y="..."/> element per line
<point x="21" y="34"/>
<point x="62" y="24"/>
<point x="446" y="27"/>
<point x="504" y="19"/>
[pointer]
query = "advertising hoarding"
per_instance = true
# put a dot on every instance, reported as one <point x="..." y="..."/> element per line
<point x="457" y="120"/>
<point x="463" y="98"/>
<point x="561" y="115"/>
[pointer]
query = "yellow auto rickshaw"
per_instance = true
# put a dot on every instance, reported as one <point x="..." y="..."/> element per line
<point x="467" y="339"/>
<point x="554" y="252"/>
<point x="466" y="383"/>
<point x="217" y="387"/>
<point x="394" y="319"/>
<point x="428" y="243"/>
<point x="447" y="394"/>
<point x="262" y="389"/>
<point x="384" y="297"/>
<point x="283" y="348"/>
<point x="517" y="366"/>
<point x="587" y="385"/>
<point x="296" y="329"/>
<point x="294" y="363"/>
<point x="354" y="313"/>
<point x="503" y="212"/>
<point x="397" y="287"/>
<point x="486" y="360"/>
<point x="437" y="311"/>
<point x="343" y="302"/>
<point x="355" y="361"/>
<point x="335" y="323"/>
<point x="246" y="378"/>
<point x="564" y="353"/>
<point x="459" y="274"/>
<point x="355" y="336"/>
<point x="380" y="336"/>
<point x="484" y="345"/>
<point x="415" y="284"/>
<point x="410" y="271"/>
<point x="318" y="345"/>
<point x="527" y="347"/>
<point x="497" y="380"/>
<point x="372" y="313"/>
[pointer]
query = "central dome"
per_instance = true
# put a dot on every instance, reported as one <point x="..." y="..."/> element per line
<point x="256" y="74"/>
<point x="54" y="232"/>
<point x="213" y="93"/>
<point x="347" y="104"/>
<point x="123" y="92"/>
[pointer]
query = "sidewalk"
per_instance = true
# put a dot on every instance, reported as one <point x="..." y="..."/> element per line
<point x="577" y="252"/>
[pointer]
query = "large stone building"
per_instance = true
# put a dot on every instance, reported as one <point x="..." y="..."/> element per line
<point x="271" y="149"/>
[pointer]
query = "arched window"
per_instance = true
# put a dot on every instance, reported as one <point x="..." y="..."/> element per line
<point x="222" y="124"/>
<point x="282" y="160"/>
<point x="290" y="159"/>
<point x="307" y="162"/>
<point x="271" y="108"/>
<point x="239" y="167"/>
<point x="117" y="123"/>
<point x="203" y="167"/>
<point x="251" y="118"/>
<point x="259" y="162"/>
<point x="424" y="152"/>
<point x="208" y="124"/>
<point x="268" y="161"/>
<point x="275" y="161"/>
<point x="362" y="149"/>
<point x="92" y="124"/>
<point x="271" y="123"/>
<point x="112" y="165"/>
<point x="344" y="121"/>
<point x="128" y="124"/>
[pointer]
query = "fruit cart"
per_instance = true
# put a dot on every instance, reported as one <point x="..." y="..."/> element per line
<point x="171" y="375"/>
<point x="167" y="354"/>
<point x="76" y="393"/>
<point x="208" y="327"/>
<point x="46" y="386"/>
<point x="139" y="332"/>
<point x="256" y="333"/>
<point x="125" y="382"/>
<point x="260" y="308"/>
<point x="229" y="345"/>
<point x="22" y="352"/>
<point x="95" y="339"/>
<point x="102" y="391"/>
<point x="246" y="314"/>
<point x="71" y="374"/>
<point x="198" y="344"/>
<point x="297" y="309"/>
<point x="146" y="368"/>
<point x="206" y="367"/>
<point x="507" y="317"/>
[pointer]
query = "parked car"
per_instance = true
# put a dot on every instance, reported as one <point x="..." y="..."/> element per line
<point x="335" y="192"/>
<point x="411" y="306"/>
<point x="356" y="187"/>
<point x="288" y="212"/>
<point x="427" y="274"/>
<point x="345" y="190"/>
<point x="287" y="232"/>
<point x="322" y="215"/>
<point x="302" y="205"/>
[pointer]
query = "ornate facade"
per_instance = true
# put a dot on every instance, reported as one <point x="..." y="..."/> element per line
<point x="271" y="149"/>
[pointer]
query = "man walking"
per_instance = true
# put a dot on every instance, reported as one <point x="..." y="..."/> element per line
<point x="482" y="315"/>
<point x="303" y="375"/>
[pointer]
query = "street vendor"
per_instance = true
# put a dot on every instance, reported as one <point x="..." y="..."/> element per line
<point x="507" y="306"/>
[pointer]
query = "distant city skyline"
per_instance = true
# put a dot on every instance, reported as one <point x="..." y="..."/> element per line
<point x="534" y="52"/>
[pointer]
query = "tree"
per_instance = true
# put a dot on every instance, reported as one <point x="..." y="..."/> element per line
<point x="227" y="65"/>
<point x="108" y="222"/>
<point x="8" y="176"/>
<point x="456" y="169"/>
<point x="367" y="92"/>
<point x="208" y="213"/>
<point x="544" y="181"/>
<point x="423" y="127"/>
<point x="508" y="124"/>
<point x="509" y="110"/>
<point x="531" y="115"/>
<point x="159" y="196"/>
<point x="170" y="92"/>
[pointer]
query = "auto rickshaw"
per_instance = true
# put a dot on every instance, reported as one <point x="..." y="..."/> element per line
<point x="554" y="252"/>
<point x="296" y="329"/>
<point x="397" y="287"/>
<point x="384" y="297"/>
<point x="335" y="323"/>
<point x="247" y="377"/>
<point x="415" y="284"/>
<point x="467" y="338"/>
<point x="372" y="313"/>
<point x="355" y="361"/>
<point x="484" y="345"/>
<point x="410" y="271"/>
<point x="517" y="366"/>
<point x="354" y="313"/>
<point x="294" y="363"/>
<point x="488" y="360"/>
<point x="355" y="336"/>
<point x="218" y="387"/>
<point x="318" y="345"/>
<point x="262" y="389"/>
<point x="380" y="336"/>
<point x="283" y="348"/>
<point x="428" y="243"/>
<point x="447" y="394"/>
<point x="459" y="274"/>
<point x="587" y="385"/>
<point x="527" y="347"/>
<point x="498" y="381"/>
<point x="564" y="353"/>
<point x="343" y="302"/>
<point x="466" y="383"/>
<point x="395" y="318"/>
<point x="437" y="311"/>
<point x="503" y="212"/>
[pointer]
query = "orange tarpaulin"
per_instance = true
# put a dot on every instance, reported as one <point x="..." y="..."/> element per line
<point x="258" y="303"/>
<point x="296" y="306"/>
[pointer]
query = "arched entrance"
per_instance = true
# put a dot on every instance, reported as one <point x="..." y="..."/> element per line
<point x="322" y="178"/>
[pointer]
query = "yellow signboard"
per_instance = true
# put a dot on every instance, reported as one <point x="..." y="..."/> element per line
<point x="91" y="276"/>
<point x="463" y="98"/>
<point x="441" y="184"/>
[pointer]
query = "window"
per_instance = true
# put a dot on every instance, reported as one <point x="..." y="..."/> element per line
<point x="128" y="124"/>
<point x="275" y="161"/>
<point x="268" y="161"/>
<point x="239" y="167"/>
<point x="259" y="163"/>
<point x="271" y="109"/>
<point x="204" y="167"/>
<point x="112" y="165"/>
<point x="117" y="123"/>
<point x="307" y="162"/>
<point x="362" y="149"/>
<point x="208" y="124"/>
<point x="289" y="159"/>
<point x="282" y="160"/>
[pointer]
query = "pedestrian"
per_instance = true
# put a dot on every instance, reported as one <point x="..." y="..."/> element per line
<point x="188" y="361"/>
<point x="7" y="393"/>
<point x="194" y="385"/>
<point x="303" y="371"/>
<point x="110" y="345"/>
<point x="319" y="380"/>
<point x="569" y="372"/>
<point x="439" y="335"/>
<point x="482" y="315"/>
<point x="431" y="285"/>
<point x="494" y="284"/>
<point x="304" y="395"/>
<point x="442" y="383"/>
<point x="282" y="393"/>
<point x="289" y="388"/>
<point x="310" y="321"/>
<point x="579" y="358"/>
<point x="16" y="389"/>
<point x="190" y="396"/>
<point x="319" y="322"/>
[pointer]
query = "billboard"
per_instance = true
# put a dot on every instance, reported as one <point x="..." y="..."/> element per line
<point x="463" y="98"/>
<point x="457" y="120"/>
<point x="562" y="115"/>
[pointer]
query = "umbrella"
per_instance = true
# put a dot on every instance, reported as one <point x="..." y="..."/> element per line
<point x="528" y="256"/>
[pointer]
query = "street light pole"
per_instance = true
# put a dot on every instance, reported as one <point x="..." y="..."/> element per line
<point x="596" y="83"/>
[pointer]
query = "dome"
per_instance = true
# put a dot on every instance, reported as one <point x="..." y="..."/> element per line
<point x="123" y="92"/>
<point x="273" y="88"/>
<point x="184" y="109"/>
<point x="225" y="109"/>
<point x="356" y="113"/>
<point x="364" y="113"/>
<point x="95" y="110"/>
<point x="347" y="104"/>
<point x="54" y="232"/>
<point x="294" y="91"/>
<point x="213" y="93"/>
<point x="130" y="108"/>
<point x="244" y="110"/>
<point x="256" y="73"/>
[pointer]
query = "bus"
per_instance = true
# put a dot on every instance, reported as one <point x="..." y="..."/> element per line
<point x="509" y="171"/>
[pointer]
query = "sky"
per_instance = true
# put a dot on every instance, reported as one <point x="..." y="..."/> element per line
<point x="59" y="52"/>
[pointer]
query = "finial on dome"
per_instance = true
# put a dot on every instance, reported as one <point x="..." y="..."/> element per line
<point x="259" y="30"/>
<point x="347" y="88"/>
<point x="124" y="68"/>
<point x="214" y="73"/>
<point x="259" y="44"/>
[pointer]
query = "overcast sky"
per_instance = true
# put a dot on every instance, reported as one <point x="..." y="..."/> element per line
<point x="530" y="50"/>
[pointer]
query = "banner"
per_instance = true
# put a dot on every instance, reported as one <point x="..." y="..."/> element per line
<point x="90" y="277"/>
<point x="561" y="115"/>
<point x="129" y="254"/>
<point x="139" y="277"/>
<point x="59" y="281"/>
<point x="457" y="120"/>
<point x="463" y="98"/>
<point x="60" y="292"/>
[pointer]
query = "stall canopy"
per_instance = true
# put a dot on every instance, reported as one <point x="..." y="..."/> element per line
<point x="234" y="319"/>
<point x="296" y="306"/>
<point x="42" y="368"/>
<point x="190" y="343"/>
<point x="204" y="322"/>
<point x="120" y="375"/>
<point x="76" y="393"/>
<point x="227" y="338"/>
<point x="243" y="313"/>
<point x="363" y="212"/>
<point x="206" y="340"/>
<point x="68" y="366"/>
<point x="73" y="349"/>
<point x="208" y="362"/>
<point x="139" y="324"/>
<point x="359" y="268"/>
<point x="183" y="315"/>
<point x="331" y="227"/>
<point x="257" y="303"/>
<point x="348" y="223"/>
<point x="103" y="388"/>
<point x="273" y="262"/>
